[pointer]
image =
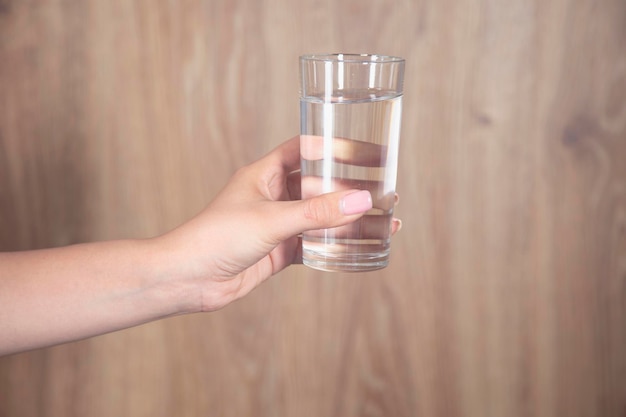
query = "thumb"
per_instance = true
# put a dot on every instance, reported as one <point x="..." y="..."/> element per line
<point x="323" y="211"/>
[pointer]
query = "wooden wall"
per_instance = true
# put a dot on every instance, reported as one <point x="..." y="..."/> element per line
<point x="506" y="294"/>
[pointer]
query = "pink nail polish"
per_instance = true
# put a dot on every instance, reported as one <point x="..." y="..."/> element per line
<point x="357" y="202"/>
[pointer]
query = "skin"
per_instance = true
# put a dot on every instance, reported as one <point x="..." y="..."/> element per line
<point x="245" y="235"/>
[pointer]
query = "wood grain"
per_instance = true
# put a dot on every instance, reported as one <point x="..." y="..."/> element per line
<point x="506" y="293"/>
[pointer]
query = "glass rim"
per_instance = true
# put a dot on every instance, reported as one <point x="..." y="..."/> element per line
<point x="352" y="58"/>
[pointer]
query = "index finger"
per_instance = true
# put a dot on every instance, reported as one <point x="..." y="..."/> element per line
<point x="288" y="154"/>
<point x="343" y="150"/>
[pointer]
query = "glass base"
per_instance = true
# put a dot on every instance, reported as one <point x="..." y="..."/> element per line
<point x="361" y="262"/>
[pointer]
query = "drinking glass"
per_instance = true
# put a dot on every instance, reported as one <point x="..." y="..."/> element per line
<point x="350" y="111"/>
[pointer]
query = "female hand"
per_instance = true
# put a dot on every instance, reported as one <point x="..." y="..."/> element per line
<point x="249" y="232"/>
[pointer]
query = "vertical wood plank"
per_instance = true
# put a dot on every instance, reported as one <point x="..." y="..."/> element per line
<point x="506" y="291"/>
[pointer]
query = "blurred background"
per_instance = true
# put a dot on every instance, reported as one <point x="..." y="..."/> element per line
<point x="506" y="293"/>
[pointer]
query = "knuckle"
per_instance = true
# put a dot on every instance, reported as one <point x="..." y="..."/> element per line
<point x="318" y="210"/>
<point x="242" y="171"/>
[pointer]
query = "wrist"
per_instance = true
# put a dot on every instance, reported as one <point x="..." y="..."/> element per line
<point x="175" y="279"/>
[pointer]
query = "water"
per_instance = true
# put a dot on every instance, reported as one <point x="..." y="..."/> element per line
<point x="351" y="142"/>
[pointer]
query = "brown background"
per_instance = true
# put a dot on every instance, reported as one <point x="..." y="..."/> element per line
<point x="506" y="294"/>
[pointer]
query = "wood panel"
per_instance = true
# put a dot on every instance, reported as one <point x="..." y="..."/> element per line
<point x="506" y="294"/>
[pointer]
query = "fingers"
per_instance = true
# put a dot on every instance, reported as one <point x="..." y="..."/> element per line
<point x="312" y="186"/>
<point x="287" y="154"/>
<point x="396" y="225"/>
<point x="312" y="148"/>
<point x="319" y="212"/>
<point x="297" y="258"/>
<point x="294" y="186"/>
<point x="367" y="227"/>
<point x="286" y="159"/>
<point x="370" y="226"/>
<point x="349" y="200"/>
<point x="343" y="150"/>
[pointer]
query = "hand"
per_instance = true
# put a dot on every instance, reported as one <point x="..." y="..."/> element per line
<point x="249" y="232"/>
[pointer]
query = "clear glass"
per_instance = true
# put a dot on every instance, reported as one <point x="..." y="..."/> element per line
<point x="350" y="111"/>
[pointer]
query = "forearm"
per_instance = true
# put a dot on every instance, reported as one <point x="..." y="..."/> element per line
<point x="53" y="296"/>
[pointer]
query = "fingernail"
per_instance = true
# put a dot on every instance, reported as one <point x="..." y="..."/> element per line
<point x="357" y="202"/>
